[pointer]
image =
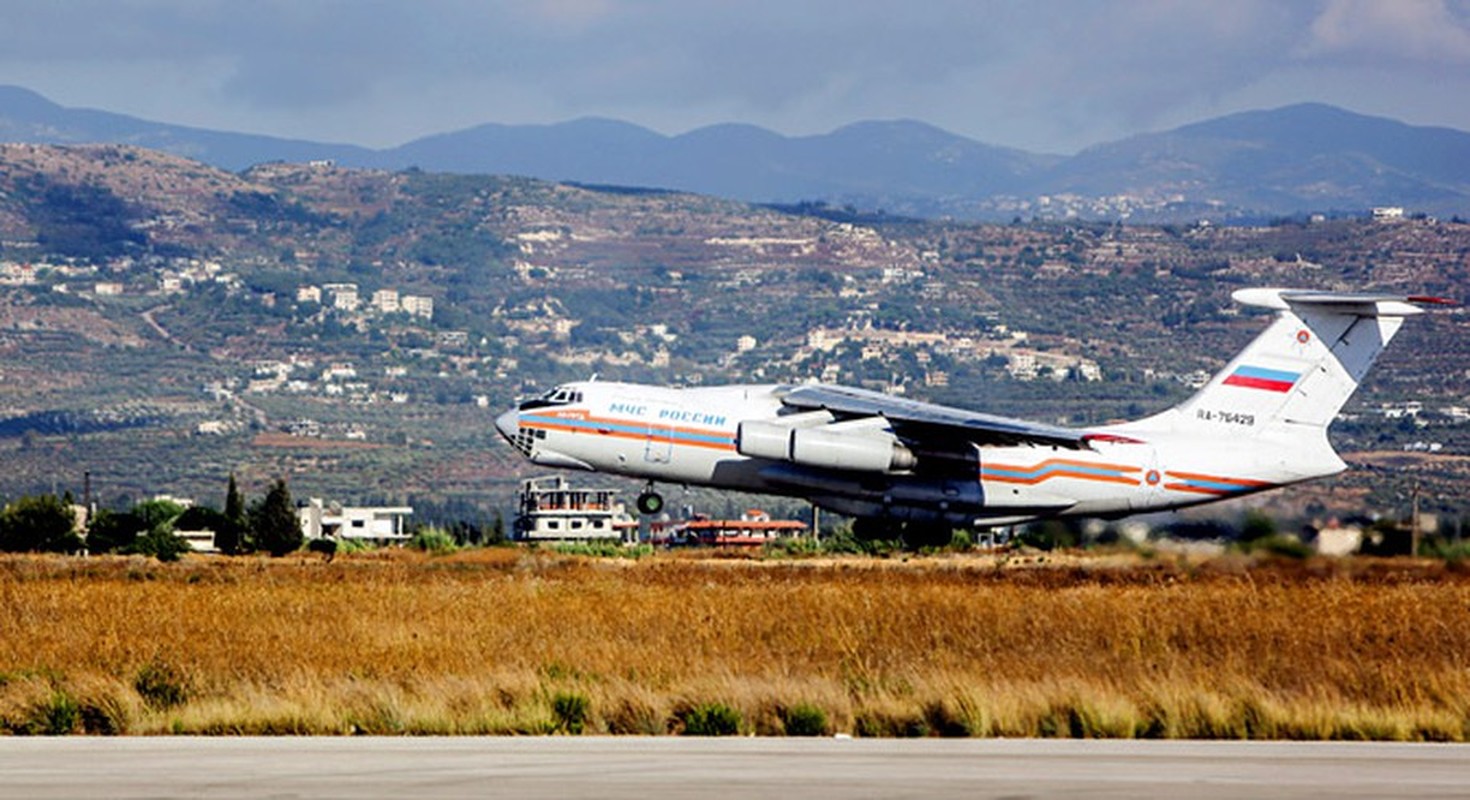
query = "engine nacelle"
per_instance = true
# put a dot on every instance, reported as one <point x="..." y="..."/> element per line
<point x="763" y="440"/>
<point x="859" y="448"/>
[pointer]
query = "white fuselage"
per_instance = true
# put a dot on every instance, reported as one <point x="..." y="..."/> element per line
<point x="690" y="436"/>
<point x="1260" y="422"/>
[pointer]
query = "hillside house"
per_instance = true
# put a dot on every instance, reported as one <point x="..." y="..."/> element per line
<point x="417" y="306"/>
<point x="343" y="296"/>
<point x="386" y="301"/>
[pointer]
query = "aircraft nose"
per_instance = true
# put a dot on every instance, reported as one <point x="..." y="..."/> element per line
<point x="509" y="424"/>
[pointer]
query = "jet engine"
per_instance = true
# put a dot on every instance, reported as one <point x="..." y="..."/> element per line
<point x="858" y="446"/>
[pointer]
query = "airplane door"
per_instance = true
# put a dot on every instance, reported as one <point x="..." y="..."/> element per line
<point x="660" y="446"/>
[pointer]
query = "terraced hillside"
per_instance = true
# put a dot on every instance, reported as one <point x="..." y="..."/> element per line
<point x="356" y="330"/>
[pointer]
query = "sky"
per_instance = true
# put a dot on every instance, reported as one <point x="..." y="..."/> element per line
<point x="1045" y="76"/>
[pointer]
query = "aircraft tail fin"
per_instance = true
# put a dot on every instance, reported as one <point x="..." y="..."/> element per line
<point x="1299" y="373"/>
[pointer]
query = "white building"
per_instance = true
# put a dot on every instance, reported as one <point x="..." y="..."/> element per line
<point x="340" y="370"/>
<point x="417" y="305"/>
<point x="551" y="510"/>
<point x="377" y="524"/>
<point x="343" y="295"/>
<point x="1339" y="540"/>
<point x="386" y="301"/>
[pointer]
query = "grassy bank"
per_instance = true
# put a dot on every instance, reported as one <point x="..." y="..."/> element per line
<point x="506" y="641"/>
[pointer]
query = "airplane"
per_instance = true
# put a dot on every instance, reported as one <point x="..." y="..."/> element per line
<point x="914" y="470"/>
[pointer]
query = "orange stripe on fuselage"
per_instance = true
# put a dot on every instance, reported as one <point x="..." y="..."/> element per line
<point x="1058" y="468"/>
<point x="1223" y="485"/>
<point x="632" y="429"/>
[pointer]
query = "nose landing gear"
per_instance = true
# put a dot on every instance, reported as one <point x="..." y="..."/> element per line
<point x="650" y="502"/>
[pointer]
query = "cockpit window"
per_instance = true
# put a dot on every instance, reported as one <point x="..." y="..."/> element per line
<point x="560" y="396"/>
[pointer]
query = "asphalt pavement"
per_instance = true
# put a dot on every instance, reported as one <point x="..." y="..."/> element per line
<point x="632" y="767"/>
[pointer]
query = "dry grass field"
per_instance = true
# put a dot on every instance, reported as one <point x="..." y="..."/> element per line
<point x="512" y="641"/>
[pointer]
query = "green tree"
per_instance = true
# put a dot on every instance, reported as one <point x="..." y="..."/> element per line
<point x="158" y="539"/>
<point x="42" y="523"/>
<point x="230" y="536"/>
<point x="158" y="514"/>
<point x="274" y="525"/>
<point x="162" y="544"/>
<point x="113" y="531"/>
<point x="497" y="529"/>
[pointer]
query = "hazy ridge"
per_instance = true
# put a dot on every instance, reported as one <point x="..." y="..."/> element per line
<point x="1306" y="158"/>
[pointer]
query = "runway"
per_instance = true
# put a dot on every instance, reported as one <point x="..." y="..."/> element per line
<point x="667" y="766"/>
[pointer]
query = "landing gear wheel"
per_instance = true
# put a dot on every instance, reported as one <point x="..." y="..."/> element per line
<point x="650" y="502"/>
<point x="918" y="537"/>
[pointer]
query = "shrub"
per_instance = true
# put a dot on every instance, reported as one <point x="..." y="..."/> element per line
<point x="603" y="549"/>
<point x="430" y="539"/>
<point x="803" y="719"/>
<point x="888" y="724"/>
<point x="160" y="543"/>
<point x="947" y="720"/>
<point x="1452" y="552"/>
<point x="634" y="717"/>
<point x="570" y="710"/>
<point x="161" y="685"/>
<point x="709" y="719"/>
<point x="57" y="715"/>
<point x="103" y="716"/>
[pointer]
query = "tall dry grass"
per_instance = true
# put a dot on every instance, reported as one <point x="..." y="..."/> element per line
<point x="484" y="643"/>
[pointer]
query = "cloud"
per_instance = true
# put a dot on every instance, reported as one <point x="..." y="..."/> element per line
<point x="1426" y="31"/>
<point x="1053" y="76"/>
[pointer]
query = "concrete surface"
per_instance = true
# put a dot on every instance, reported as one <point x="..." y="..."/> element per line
<point x="642" y="767"/>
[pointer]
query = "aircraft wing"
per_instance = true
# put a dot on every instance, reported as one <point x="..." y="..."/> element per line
<point x="912" y="419"/>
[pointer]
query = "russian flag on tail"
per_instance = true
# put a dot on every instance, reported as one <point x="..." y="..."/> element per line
<point x="1271" y="380"/>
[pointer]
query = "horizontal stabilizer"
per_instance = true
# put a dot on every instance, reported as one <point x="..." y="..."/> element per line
<point x="1362" y="304"/>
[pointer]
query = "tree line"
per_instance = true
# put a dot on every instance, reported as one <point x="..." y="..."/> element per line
<point x="48" y="523"/>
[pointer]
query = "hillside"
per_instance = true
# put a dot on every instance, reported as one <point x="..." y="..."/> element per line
<point x="1250" y="166"/>
<point x="163" y="322"/>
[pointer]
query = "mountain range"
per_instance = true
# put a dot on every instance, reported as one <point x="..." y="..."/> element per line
<point x="1307" y="158"/>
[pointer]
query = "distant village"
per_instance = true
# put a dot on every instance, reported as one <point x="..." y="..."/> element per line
<point x="545" y="327"/>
